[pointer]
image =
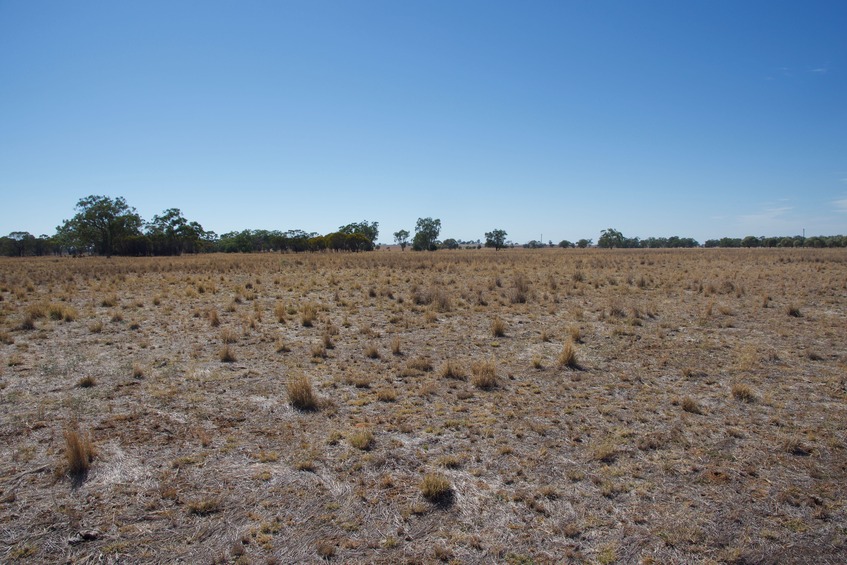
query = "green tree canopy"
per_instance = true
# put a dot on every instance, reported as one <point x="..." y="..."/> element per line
<point x="369" y="231"/>
<point x="101" y="224"/>
<point x="496" y="239"/>
<point x="426" y="234"/>
<point x="402" y="239"/>
<point x="172" y="234"/>
<point x="611" y="238"/>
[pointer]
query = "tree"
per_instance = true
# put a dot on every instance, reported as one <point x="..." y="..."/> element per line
<point x="583" y="243"/>
<point x="369" y="231"/>
<point x="402" y="239"/>
<point x="102" y="224"/>
<point x="496" y="239"/>
<point x="450" y="244"/>
<point x="21" y="243"/>
<point x="566" y="244"/>
<point x="426" y="234"/>
<point x="751" y="241"/>
<point x="610" y="239"/>
<point x="172" y="234"/>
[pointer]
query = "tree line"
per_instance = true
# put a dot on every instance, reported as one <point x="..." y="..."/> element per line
<point x="109" y="226"/>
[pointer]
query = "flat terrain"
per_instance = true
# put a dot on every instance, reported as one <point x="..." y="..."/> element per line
<point x="469" y="407"/>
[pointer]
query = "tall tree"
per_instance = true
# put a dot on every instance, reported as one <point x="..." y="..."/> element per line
<point x="102" y="223"/>
<point x="369" y="231"/>
<point x="426" y="234"/>
<point x="611" y="238"/>
<point x="172" y="234"/>
<point x="496" y="239"/>
<point x="402" y="239"/>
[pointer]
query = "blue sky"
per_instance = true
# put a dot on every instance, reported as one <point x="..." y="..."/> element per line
<point x="697" y="118"/>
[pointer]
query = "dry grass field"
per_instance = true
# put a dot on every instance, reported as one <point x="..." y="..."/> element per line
<point x="468" y="407"/>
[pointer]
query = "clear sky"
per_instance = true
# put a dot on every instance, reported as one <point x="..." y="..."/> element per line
<point x="656" y="118"/>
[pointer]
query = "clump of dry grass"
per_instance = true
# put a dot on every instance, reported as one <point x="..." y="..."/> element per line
<point x="214" y="319"/>
<point x="79" y="453"/>
<point x="498" y="327"/>
<point x="435" y="487"/>
<point x="691" y="406"/>
<point x="325" y="549"/>
<point x="228" y="336"/>
<point x="450" y="461"/>
<point x="86" y="382"/>
<point x="794" y="311"/>
<point x="395" y="346"/>
<point x="27" y="323"/>
<point x="795" y="446"/>
<point x="386" y="395"/>
<point x="279" y="312"/>
<point x="362" y="439"/>
<point x="308" y="315"/>
<point x="606" y="452"/>
<point x="62" y="312"/>
<point x="743" y="393"/>
<point x="227" y="355"/>
<point x="319" y="351"/>
<point x="300" y="393"/>
<point x="567" y="357"/>
<point x="575" y="334"/>
<point x="452" y="370"/>
<point x="484" y="375"/>
<point x="371" y="352"/>
<point x="519" y="292"/>
<point x="204" y="506"/>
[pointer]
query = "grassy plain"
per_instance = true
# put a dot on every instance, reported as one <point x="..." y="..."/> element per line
<point x="470" y="407"/>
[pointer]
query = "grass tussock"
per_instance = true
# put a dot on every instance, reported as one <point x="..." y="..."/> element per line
<point x="567" y="357"/>
<point x="484" y="375"/>
<point x="86" y="382"/>
<point x="362" y="439"/>
<point x="280" y="312"/>
<point x="691" y="406"/>
<point x="452" y="370"/>
<point x="227" y="354"/>
<point x="743" y="393"/>
<point x="435" y="487"/>
<point x="309" y="315"/>
<point x="300" y="393"/>
<point x="498" y="327"/>
<point x="79" y="453"/>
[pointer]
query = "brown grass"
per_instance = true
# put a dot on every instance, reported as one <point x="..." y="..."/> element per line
<point x="484" y="375"/>
<point x="79" y="453"/>
<point x="204" y="461"/>
<point x="567" y="357"/>
<point x="227" y="354"/>
<point x="435" y="487"/>
<point x="743" y="393"/>
<point x="300" y="393"/>
<point x="452" y="370"/>
<point x="362" y="439"/>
